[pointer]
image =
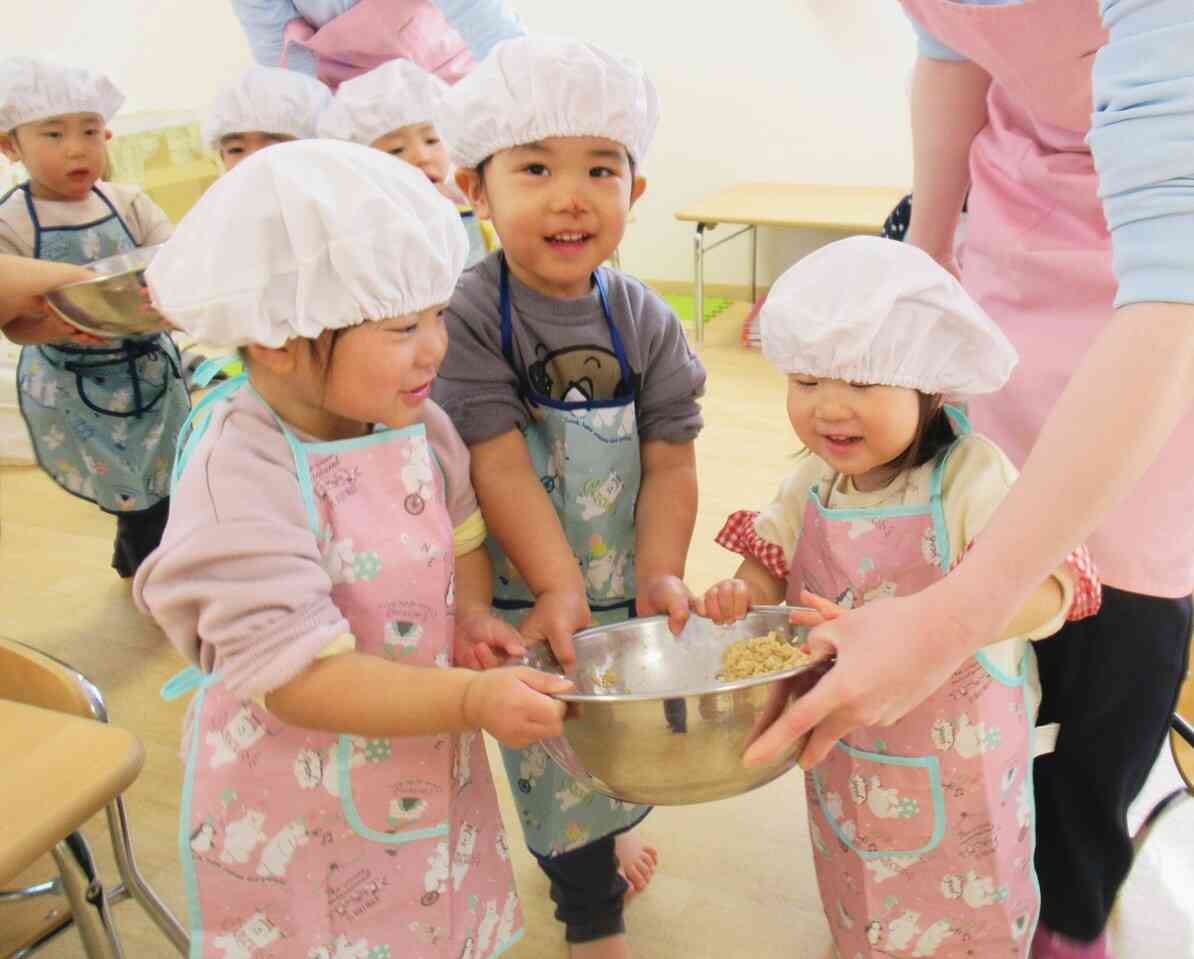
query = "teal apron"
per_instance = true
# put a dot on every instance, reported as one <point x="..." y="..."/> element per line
<point x="587" y="457"/>
<point x="103" y="420"/>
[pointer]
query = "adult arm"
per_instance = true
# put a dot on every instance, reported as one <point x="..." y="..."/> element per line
<point x="1117" y="412"/>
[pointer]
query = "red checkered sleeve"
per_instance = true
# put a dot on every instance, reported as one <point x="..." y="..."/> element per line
<point x="1088" y="588"/>
<point x="739" y="535"/>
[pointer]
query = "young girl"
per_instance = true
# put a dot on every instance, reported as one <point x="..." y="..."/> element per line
<point x="391" y="108"/>
<point x="337" y="796"/>
<point x="103" y="415"/>
<point x="888" y="494"/>
<point x="268" y="105"/>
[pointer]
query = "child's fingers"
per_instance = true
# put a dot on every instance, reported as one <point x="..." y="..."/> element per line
<point x="485" y="657"/>
<point x="546" y="683"/>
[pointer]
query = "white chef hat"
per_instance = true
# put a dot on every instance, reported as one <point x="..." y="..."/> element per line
<point x="304" y="237"/>
<point x="396" y="94"/>
<point x="881" y="312"/>
<point x="268" y="99"/>
<point x="32" y="90"/>
<point x="533" y="87"/>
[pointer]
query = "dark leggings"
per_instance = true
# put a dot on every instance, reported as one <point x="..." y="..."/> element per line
<point x="138" y="535"/>
<point x="587" y="890"/>
<point x="1112" y="681"/>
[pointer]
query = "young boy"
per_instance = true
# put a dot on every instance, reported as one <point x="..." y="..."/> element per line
<point x="103" y="416"/>
<point x="390" y="108"/>
<point x="576" y="391"/>
<point x="268" y="105"/>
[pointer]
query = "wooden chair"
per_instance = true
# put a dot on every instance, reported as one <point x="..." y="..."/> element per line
<point x="30" y="677"/>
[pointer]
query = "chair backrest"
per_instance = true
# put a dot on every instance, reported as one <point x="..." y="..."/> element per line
<point x="1183" y="752"/>
<point x="31" y="677"/>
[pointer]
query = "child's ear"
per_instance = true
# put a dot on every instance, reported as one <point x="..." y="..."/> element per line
<point x="472" y="186"/>
<point x="637" y="189"/>
<point x="277" y="359"/>
<point x="8" y="146"/>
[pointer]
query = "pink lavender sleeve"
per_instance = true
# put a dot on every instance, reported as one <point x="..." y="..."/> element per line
<point x="453" y="459"/>
<point x="237" y="583"/>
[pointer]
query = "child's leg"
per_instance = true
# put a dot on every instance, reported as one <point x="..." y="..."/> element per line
<point x="588" y="891"/>
<point x="138" y="535"/>
<point x="1112" y="682"/>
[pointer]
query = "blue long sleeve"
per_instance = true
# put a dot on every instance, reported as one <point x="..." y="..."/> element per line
<point x="1142" y="139"/>
<point x="482" y="23"/>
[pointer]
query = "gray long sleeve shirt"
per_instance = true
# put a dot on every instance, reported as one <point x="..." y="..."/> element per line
<point x="563" y="349"/>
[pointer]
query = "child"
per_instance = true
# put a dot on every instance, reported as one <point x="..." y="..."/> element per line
<point x="102" y="416"/>
<point x="888" y="494"/>
<point x="390" y="108"/>
<point x="268" y="105"/>
<point x="575" y="389"/>
<point x="337" y="795"/>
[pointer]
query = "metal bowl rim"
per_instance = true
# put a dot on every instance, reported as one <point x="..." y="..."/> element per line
<point x="683" y="692"/>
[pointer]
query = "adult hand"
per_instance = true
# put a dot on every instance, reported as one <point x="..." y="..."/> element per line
<point x="890" y="656"/>
<point x="482" y="641"/>
<point x="36" y="323"/>
<point x="556" y="616"/>
<point x="664" y="594"/>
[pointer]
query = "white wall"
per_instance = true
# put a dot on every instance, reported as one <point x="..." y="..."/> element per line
<point x="800" y="90"/>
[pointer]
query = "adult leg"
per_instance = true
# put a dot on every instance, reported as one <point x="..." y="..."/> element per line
<point x="1112" y="683"/>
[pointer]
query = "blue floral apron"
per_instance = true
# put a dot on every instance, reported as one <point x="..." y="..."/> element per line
<point x="587" y="457"/>
<point x="103" y="420"/>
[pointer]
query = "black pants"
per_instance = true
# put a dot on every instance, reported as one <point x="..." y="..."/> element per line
<point x="1112" y="681"/>
<point x="138" y="535"/>
<point x="587" y="890"/>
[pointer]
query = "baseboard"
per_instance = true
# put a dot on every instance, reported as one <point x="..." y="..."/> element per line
<point x="731" y="291"/>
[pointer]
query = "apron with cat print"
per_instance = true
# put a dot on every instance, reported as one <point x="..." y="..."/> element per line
<point x="587" y="457"/>
<point x="103" y="420"/>
<point x="923" y="831"/>
<point x="304" y="843"/>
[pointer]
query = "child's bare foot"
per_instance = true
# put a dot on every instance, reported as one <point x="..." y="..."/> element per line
<point x="611" y="947"/>
<point x="637" y="861"/>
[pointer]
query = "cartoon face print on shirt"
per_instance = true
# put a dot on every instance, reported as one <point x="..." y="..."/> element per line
<point x="578" y="374"/>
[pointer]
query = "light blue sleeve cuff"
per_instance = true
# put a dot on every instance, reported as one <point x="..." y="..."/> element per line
<point x="1154" y="259"/>
<point x="1142" y="141"/>
<point x="929" y="46"/>
<point x="482" y="23"/>
<point x="263" y="22"/>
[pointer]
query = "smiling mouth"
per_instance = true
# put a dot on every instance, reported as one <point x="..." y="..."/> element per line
<point x="569" y="238"/>
<point x="840" y="439"/>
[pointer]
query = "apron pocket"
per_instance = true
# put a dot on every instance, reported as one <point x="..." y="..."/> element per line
<point x="395" y="805"/>
<point x="880" y="805"/>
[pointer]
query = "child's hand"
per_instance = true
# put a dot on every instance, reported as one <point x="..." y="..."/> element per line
<point x="514" y="706"/>
<point x="665" y="594"/>
<point x="725" y="602"/>
<point x="821" y="610"/>
<point x="556" y="616"/>
<point x="482" y="641"/>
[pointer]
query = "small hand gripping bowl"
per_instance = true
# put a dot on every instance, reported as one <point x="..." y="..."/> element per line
<point x="116" y="303"/>
<point x="650" y="722"/>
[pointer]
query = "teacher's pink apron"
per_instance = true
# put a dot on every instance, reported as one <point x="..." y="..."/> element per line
<point x="374" y="32"/>
<point x="1038" y="259"/>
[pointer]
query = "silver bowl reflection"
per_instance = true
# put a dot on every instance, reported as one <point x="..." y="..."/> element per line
<point x="650" y="723"/>
<point x="114" y="304"/>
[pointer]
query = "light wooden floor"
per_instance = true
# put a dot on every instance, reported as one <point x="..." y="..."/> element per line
<point x="736" y="878"/>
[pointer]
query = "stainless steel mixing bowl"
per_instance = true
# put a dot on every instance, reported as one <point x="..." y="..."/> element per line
<point x="114" y="304"/>
<point x="650" y="723"/>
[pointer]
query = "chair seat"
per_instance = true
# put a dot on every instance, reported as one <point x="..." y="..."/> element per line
<point x="56" y="772"/>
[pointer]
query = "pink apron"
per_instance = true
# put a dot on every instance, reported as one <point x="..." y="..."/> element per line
<point x="1038" y="259"/>
<point x="373" y="32"/>
<point x="300" y="844"/>
<point x="923" y="831"/>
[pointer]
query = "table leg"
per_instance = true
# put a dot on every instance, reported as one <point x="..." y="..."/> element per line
<point x="698" y="269"/>
<point x="754" y="264"/>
